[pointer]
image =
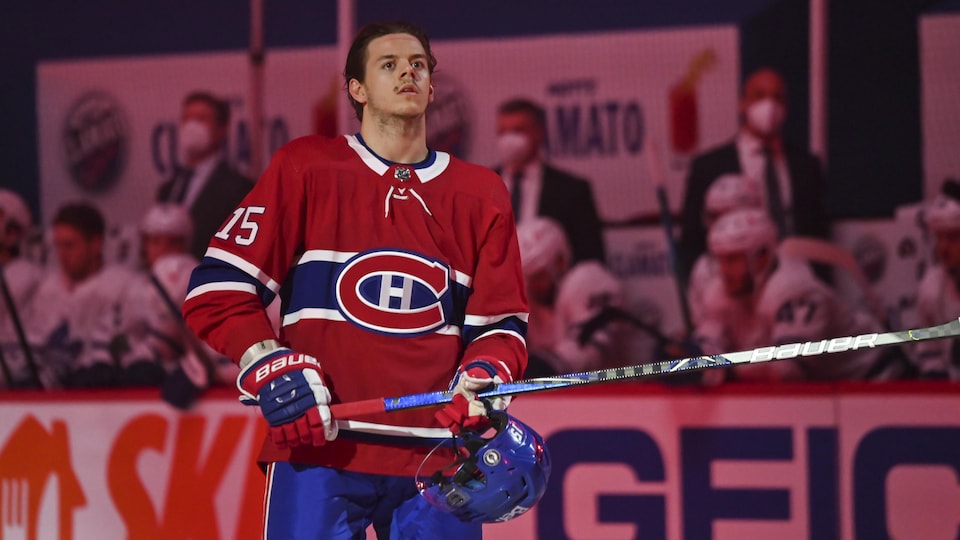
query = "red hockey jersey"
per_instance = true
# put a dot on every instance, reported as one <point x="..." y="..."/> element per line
<point x="391" y="275"/>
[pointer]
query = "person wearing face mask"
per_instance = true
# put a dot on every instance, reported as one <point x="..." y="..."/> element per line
<point x="537" y="188"/>
<point x="204" y="182"/>
<point x="791" y="178"/>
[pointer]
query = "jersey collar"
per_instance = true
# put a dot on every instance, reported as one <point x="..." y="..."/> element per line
<point x="428" y="169"/>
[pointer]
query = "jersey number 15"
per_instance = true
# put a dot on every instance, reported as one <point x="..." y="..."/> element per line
<point x="247" y="225"/>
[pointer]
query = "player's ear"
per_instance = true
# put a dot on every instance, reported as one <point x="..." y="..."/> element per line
<point x="357" y="91"/>
<point x="431" y="94"/>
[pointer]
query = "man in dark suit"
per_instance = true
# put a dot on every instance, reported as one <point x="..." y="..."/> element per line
<point x="538" y="189"/>
<point x="204" y="183"/>
<point x="790" y="178"/>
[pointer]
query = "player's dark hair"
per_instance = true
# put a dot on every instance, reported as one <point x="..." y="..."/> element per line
<point x="526" y="106"/>
<point x="221" y="109"/>
<point x="82" y="217"/>
<point x="356" y="64"/>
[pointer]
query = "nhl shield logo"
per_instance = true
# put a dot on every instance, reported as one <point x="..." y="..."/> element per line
<point x="401" y="173"/>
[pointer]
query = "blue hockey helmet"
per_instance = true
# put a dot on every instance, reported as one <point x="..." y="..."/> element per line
<point x="496" y="478"/>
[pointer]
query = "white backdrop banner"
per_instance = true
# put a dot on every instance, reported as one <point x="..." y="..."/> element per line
<point x="609" y="98"/>
<point x="107" y="126"/>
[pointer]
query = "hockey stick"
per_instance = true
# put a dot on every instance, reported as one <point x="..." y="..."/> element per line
<point x="5" y="367"/>
<point x="695" y="363"/>
<point x="21" y="336"/>
<point x="666" y="221"/>
<point x="179" y="389"/>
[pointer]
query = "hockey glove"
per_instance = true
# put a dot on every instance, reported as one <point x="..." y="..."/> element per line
<point x="466" y="411"/>
<point x="289" y="389"/>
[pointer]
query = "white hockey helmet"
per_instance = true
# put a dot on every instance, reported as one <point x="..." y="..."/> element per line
<point x="173" y="272"/>
<point x="542" y="240"/>
<point x="169" y="219"/>
<point x="729" y="192"/>
<point x="586" y="289"/>
<point x="744" y="230"/>
<point x="13" y="210"/>
<point x="943" y="214"/>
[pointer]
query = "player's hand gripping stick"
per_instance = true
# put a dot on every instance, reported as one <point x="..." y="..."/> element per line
<point x="466" y="411"/>
<point x="288" y="386"/>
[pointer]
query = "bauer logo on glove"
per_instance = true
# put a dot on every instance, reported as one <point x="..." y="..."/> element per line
<point x="282" y="363"/>
<point x="292" y="396"/>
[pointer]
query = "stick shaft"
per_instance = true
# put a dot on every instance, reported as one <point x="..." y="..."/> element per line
<point x="666" y="222"/>
<point x="21" y="336"/>
<point x="763" y="354"/>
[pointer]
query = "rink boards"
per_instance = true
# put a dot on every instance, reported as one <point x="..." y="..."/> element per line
<point x="641" y="461"/>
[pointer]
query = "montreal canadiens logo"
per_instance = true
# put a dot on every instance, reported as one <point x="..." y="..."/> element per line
<point x="393" y="292"/>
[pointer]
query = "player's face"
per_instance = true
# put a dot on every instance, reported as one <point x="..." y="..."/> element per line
<point x="158" y="245"/>
<point x="736" y="273"/>
<point x="78" y="256"/>
<point x="947" y="251"/>
<point x="397" y="78"/>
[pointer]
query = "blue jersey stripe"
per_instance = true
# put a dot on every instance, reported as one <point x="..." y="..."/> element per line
<point x="212" y="271"/>
<point x="513" y="324"/>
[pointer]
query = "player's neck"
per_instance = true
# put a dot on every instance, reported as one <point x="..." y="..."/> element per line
<point x="396" y="139"/>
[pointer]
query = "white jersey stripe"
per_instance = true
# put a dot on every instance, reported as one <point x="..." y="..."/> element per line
<point x="312" y="313"/>
<point x="244" y="266"/>
<point x="480" y="320"/>
<point x="334" y="315"/>
<point x="325" y="255"/>
<point x="229" y="286"/>
<point x="394" y="431"/>
<point x="461" y="278"/>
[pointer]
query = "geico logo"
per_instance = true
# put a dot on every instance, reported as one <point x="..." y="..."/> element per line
<point x="283" y="363"/>
<point x="680" y="476"/>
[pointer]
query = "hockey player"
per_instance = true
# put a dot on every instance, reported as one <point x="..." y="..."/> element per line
<point x="938" y="299"/>
<point x="546" y="256"/>
<point x="587" y="337"/>
<point x="166" y="228"/>
<point x="73" y="301"/>
<point x="21" y="277"/>
<point x="400" y="272"/>
<point x="726" y="193"/>
<point x="761" y="299"/>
